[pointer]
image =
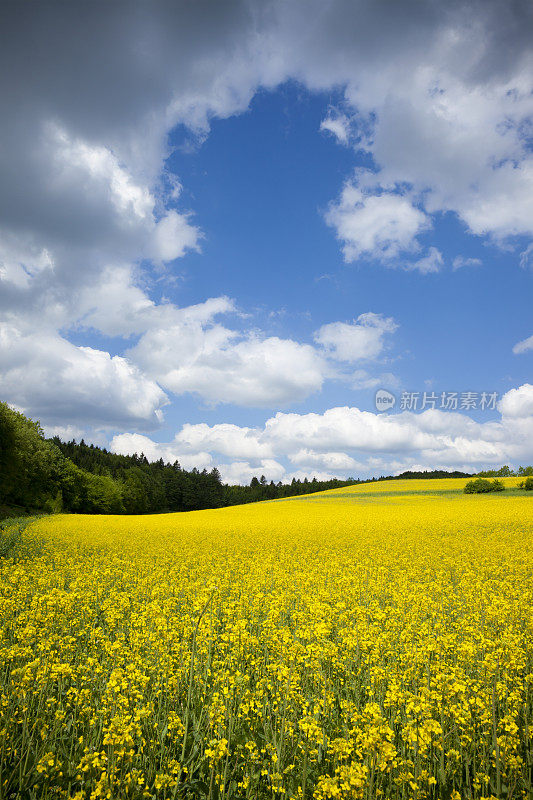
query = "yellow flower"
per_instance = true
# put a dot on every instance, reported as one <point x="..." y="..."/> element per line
<point x="365" y="642"/>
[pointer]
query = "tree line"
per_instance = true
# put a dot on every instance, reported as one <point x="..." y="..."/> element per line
<point x="38" y="474"/>
<point x="52" y="475"/>
<point x="506" y="472"/>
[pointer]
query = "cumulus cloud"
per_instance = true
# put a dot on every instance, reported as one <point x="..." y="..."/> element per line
<point x="243" y="471"/>
<point x="178" y="350"/>
<point x="231" y="441"/>
<point x="336" y="463"/>
<point x="194" y="353"/>
<point x="346" y="441"/>
<point x="115" y="306"/>
<point x="51" y="379"/>
<point x="97" y="171"/>
<point x="249" y="372"/>
<point x="518" y="403"/>
<point x="362" y="339"/>
<point x="173" y="236"/>
<point x="131" y="443"/>
<point x="202" y="447"/>
<point x="454" y="128"/>
<point x="377" y="226"/>
<point x="444" y="91"/>
<point x="21" y="260"/>
<point x="190" y="351"/>
<point x="82" y="200"/>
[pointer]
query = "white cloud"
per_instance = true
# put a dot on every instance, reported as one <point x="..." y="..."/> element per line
<point x="462" y="261"/>
<point x="461" y="142"/>
<point x="445" y="95"/>
<point x="96" y="168"/>
<point x="346" y="441"/>
<point x="345" y="428"/>
<point x="182" y="350"/>
<point x="21" y="260"/>
<point x="173" y="236"/>
<point x="377" y="226"/>
<point x="81" y="161"/>
<point x="504" y="205"/>
<point x="115" y="306"/>
<point x="526" y="257"/>
<point x="433" y="437"/>
<point x="224" y="439"/>
<point x="335" y="463"/>
<point x="338" y="125"/>
<point x="362" y="339"/>
<point x="192" y="449"/>
<point x="252" y="372"/>
<point x="68" y="432"/>
<point x="51" y="378"/>
<point x="189" y="351"/>
<point x="131" y="443"/>
<point x="193" y="353"/>
<point x="456" y="130"/>
<point x="518" y="403"/>
<point x="432" y="262"/>
<point x="524" y="345"/>
<point x="243" y="472"/>
<point x="362" y="379"/>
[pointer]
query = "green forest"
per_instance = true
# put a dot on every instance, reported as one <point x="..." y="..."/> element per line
<point x="49" y="475"/>
<point x="38" y="474"/>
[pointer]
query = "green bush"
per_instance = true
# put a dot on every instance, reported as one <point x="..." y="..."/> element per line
<point x="527" y="484"/>
<point x="482" y="485"/>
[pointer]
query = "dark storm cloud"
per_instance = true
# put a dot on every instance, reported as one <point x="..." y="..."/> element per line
<point x="119" y="75"/>
<point x="89" y="92"/>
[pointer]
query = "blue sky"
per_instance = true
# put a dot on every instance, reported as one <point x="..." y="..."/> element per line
<point x="226" y="249"/>
<point x="260" y="185"/>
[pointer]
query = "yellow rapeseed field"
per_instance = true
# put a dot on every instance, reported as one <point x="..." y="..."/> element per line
<point x="370" y="642"/>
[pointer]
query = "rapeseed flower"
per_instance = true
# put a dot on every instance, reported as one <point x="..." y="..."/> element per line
<point x="368" y="642"/>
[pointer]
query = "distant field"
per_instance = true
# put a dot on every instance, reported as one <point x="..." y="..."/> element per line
<point x="436" y="487"/>
<point x="368" y="642"/>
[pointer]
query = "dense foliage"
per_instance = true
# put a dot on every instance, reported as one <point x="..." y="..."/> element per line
<point x="53" y="475"/>
<point x="168" y="487"/>
<point x="374" y="643"/>
<point x="39" y="474"/>
<point x="506" y="472"/>
<point x="482" y="486"/>
<point x="34" y="474"/>
<point x="419" y="475"/>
